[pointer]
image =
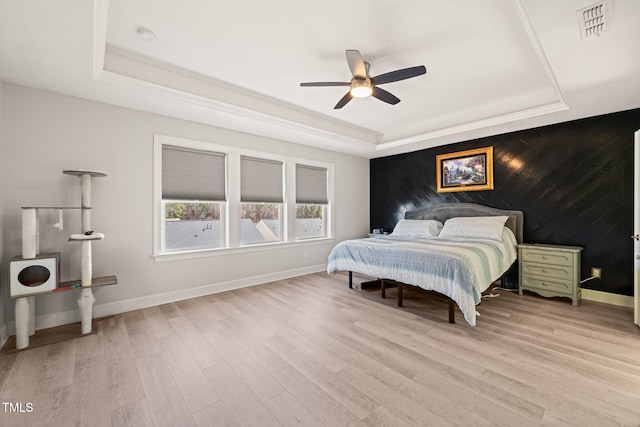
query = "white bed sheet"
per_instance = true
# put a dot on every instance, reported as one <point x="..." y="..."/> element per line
<point x="460" y="268"/>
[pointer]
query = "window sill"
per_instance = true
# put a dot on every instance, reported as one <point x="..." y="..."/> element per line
<point x="176" y="256"/>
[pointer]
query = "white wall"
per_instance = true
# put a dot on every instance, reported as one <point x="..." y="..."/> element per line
<point x="3" y="274"/>
<point x="47" y="132"/>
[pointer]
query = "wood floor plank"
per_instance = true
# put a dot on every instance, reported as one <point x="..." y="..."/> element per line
<point x="518" y="360"/>
<point x="317" y="347"/>
<point x="157" y="322"/>
<point x="424" y="347"/>
<point x="290" y="412"/>
<point x="203" y="312"/>
<point x="245" y="406"/>
<point x="82" y="402"/>
<point x="135" y="414"/>
<point x="561" y="338"/>
<point x="171" y="310"/>
<point x="52" y="407"/>
<point x="623" y="400"/>
<point x="166" y="404"/>
<point x="247" y="341"/>
<point x="406" y="409"/>
<point x="89" y="393"/>
<point x="310" y="351"/>
<point x="59" y="365"/>
<point x="123" y="380"/>
<point x="334" y="385"/>
<point x="90" y="345"/>
<point x="552" y="355"/>
<point x="7" y="365"/>
<point x="381" y="417"/>
<point x="24" y="375"/>
<point x="193" y="340"/>
<point x="428" y="389"/>
<point x="141" y="339"/>
<point x="397" y="357"/>
<point x="327" y="409"/>
<point x="578" y="406"/>
<point x="245" y="365"/>
<point x="115" y="337"/>
<point x="217" y="414"/>
<point x="194" y="387"/>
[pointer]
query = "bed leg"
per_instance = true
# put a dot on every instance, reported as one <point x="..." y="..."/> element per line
<point x="452" y="313"/>
<point x="350" y="280"/>
<point x="400" y="286"/>
<point x="383" y="288"/>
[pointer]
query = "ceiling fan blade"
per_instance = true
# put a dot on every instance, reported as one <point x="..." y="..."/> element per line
<point x="394" y="76"/>
<point x="312" y="84"/>
<point x="356" y="64"/>
<point x="348" y="97"/>
<point x="385" y="96"/>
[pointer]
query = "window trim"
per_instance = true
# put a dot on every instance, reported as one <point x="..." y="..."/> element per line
<point x="232" y="204"/>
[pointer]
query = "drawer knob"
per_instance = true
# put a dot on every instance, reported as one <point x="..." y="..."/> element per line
<point x="545" y="284"/>
<point x="545" y="257"/>
<point x="544" y="270"/>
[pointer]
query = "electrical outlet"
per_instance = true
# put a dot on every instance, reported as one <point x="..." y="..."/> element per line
<point x="596" y="272"/>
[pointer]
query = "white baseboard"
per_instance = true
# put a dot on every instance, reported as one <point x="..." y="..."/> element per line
<point x="103" y="310"/>
<point x="4" y="335"/>
<point x="607" y="298"/>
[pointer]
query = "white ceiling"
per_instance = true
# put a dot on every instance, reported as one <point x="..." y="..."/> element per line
<point x="493" y="66"/>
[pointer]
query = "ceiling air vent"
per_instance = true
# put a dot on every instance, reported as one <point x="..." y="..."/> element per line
<point x="593" y="19"/>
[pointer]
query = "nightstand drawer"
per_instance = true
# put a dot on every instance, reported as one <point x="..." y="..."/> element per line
<point x="547" y="257"/>
<point x="550" y="285"/>
<point x="548" y="270"/>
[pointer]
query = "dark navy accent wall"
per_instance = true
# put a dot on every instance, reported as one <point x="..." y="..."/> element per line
<point x="574" y="182"/>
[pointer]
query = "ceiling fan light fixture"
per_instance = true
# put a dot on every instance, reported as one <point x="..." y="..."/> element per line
<point x="361" y="88"/>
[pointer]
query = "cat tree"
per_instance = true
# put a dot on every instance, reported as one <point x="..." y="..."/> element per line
<point x="24" y="286"/>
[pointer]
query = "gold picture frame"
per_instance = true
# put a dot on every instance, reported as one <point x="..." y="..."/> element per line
<point x="469" y="170"/>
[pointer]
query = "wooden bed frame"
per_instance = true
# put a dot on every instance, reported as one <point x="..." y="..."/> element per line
<point x="441" y="213"/>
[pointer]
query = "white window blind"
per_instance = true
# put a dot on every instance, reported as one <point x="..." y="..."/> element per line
<point x="311" y="185"/>
<point x="189" y="174"/>
<point x="261" y="180"/>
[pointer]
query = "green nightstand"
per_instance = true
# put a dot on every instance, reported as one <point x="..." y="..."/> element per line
<point x="550" y="270"/>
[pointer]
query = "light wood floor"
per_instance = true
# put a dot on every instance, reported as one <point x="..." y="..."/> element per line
<point x="309" y="351"/>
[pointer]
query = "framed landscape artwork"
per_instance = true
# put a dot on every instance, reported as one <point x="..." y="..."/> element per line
<point x="470" y="170"/>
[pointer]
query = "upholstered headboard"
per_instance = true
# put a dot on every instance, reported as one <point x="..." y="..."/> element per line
<point x="451" y="210"/>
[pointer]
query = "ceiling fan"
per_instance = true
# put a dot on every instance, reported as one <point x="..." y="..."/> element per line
<point x="363" y="85"/>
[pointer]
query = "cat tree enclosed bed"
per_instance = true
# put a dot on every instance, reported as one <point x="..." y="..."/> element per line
<point x="38" y="274"/>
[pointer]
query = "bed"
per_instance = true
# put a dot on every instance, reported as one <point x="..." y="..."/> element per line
<point x="451" y="261"/>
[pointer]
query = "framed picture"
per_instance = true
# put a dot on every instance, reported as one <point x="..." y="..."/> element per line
<point x="470" y="170"/>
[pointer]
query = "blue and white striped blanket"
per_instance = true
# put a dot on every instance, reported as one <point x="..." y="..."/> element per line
<point x="459" y="268"/>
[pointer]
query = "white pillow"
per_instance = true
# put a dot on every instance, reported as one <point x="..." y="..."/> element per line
<point x="482" y="227"/>
<point x="417" y="228"/>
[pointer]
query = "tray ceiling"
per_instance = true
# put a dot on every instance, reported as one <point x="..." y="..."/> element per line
<point x="492" y="66"/>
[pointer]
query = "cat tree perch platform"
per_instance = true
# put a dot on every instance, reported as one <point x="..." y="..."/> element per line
<point x="25" y="282"/>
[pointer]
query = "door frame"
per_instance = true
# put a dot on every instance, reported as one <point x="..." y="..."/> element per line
<point x="636" y="227"/>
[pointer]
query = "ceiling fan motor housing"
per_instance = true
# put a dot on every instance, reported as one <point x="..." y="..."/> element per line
<point x="361" y="88"/>
<point x="362" y="85"/>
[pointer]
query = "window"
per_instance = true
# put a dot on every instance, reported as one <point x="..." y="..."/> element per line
<point x="193" y="199"/>
<point x="311" y="201"/>
<point x="191" y="226"/>
<point x="261" y="197"/>
<point x="211" y="198"/>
